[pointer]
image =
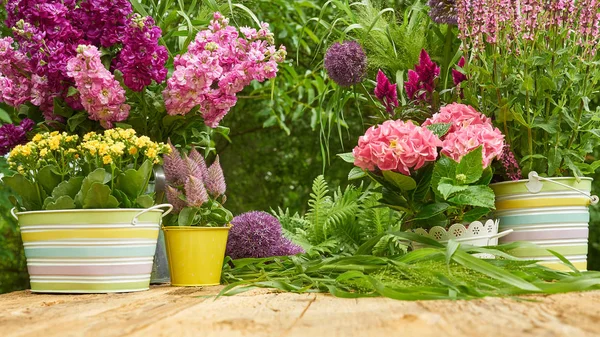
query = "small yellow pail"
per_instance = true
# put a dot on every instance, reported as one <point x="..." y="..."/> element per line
<point x="195" y="254"/>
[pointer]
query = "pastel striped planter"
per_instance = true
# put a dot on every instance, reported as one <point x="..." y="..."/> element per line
<point x="554" y="218"/>
<point x="90" y="251"/>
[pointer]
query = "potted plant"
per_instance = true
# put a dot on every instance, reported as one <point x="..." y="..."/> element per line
<point x="196" y="233"/>
<point x="437" y="173"/>
<point x="87" y="223"/>
<point x="534" y="70"/>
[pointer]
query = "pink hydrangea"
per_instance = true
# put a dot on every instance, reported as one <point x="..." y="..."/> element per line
<point x="219" y="63"/>
<point x="101" y="95"/>
<point x="457" y="144"/>
<point x="397" y="146"/>
<point x="460" y="115"/>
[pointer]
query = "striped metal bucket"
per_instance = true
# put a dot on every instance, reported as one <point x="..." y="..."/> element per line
<point x="551" y="213"/>
<point x="90" y="250"/>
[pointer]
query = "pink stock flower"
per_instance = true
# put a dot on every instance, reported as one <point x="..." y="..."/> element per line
<point x="421" y="81"/>
<point x="219" y="64"/>
<point x="457" y="76"/>
<point x="15" y="84"/>
<point x="459" y="115"/>
<point x="386" y="92"/>
<point x="397" y="146"/>
<point x="101" y="95"/>
<point x="457" y="144"/>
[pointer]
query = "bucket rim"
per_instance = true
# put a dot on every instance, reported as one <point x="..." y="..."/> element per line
<point x="527" y="180"/>
<point x="84" y="210"/>
<point x="195" y="228"/>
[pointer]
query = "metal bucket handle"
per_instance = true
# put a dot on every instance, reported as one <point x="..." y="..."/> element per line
<point x="135" y="220"/>
<point x="534" y="185"/>
<point x="12" y="211"/>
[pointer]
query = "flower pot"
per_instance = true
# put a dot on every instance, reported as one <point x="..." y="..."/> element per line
<point x="195" y="254"/>
<point x="90" y="250"/>
<point x="476" y="233"/>
<point x="549" y="212"/>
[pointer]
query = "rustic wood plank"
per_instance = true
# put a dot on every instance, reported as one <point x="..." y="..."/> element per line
<point x="169" y="311"/>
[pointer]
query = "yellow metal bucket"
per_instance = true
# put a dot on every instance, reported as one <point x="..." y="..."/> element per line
<point x="195" y="254"/>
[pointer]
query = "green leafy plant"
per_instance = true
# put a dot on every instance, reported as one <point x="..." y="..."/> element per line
<point x="58" y="171"/>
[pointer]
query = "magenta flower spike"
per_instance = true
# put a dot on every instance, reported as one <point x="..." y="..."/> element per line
<point x="457" y="76"/>
<point x="421" y="81"/>
<point x="386" y="92"/>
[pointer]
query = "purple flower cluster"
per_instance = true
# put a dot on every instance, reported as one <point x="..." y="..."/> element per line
<point x="15" y="86"/>
<point x="190" y="182"/>
<point x="142" y="60"/>
<point x="12" y="135"/>
<point x="511" y="167"/>
<point x="421" y="81"/>
<point x="386" y="92"/>
<point x="258" y="234"/>
<point x="443" y="11"/>
<point x="219" y="63"/>
<point x="346" y="63"/>
<point x="101" y="95"/>
<point x="49" y="32"/>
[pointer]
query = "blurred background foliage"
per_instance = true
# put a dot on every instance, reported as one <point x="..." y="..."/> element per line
<point x="285" y="132"/>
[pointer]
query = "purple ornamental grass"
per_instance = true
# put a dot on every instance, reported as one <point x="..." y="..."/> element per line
<point x="258" y="234"/>
<point x="346" y="63"/>
<point x="12" y="135"/>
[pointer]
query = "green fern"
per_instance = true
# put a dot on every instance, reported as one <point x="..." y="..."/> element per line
<point x="319" y="206"/>
<point x="342" y="217"/>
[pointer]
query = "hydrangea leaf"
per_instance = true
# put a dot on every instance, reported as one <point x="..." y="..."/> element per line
<point x="470" y="166"/>
<point x="401" y="181"/>
<point x="479" y="196"/>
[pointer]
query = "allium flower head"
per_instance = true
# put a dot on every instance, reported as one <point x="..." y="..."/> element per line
<point x="215" y="181"/>
<point x="12" y="135"/>
<point x="457" y="144"/>
<point x="258" y="234"/>
<point x="386" y="92"/>
<point x="443" y="11"/>
<point x="421" y="81"/>
<point x="459" y="115"/>
<point x="346" y="63"/>
<point x="397" y="146"/>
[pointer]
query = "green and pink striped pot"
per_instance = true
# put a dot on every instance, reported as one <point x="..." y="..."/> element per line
<point x="90" y="251"/>
<point x="554" y="218"/>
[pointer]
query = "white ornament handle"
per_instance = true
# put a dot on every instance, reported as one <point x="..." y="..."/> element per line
<point x="12" y="211"/>
<point x="534" y="185"/>
<point x="135" y="220"/>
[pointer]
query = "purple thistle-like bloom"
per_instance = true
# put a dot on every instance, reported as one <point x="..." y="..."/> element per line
<point x="421" y="81"/>
<point x="215" y="181"/>
<point x="195" y="192"/>
<point x="510" y="164"/>
<point x="258" y="234"/>
<point x="173" y="196"/>
<point x="346" y="63"/>
<point x="12" y="135"/>
<point x="142" y="60"/>
<point x="386" y="92"/>
<point x="443" y="11"/>
<point x="175" y="167"/>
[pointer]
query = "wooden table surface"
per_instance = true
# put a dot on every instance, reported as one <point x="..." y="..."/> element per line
<point x="170" y="311"/>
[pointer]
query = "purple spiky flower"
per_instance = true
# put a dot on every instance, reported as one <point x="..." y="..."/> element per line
<point x="346" y="63"/>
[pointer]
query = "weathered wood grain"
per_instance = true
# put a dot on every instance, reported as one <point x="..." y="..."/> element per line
<point x="169" y="311"/>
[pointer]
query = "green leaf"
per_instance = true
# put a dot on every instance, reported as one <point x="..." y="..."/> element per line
<point x="122" y="198"/>
<point x="486" y="176"/>
<point x="479" y="196"/>
<point x="4" y="116"/>
<point x="471" y="166"/>
<point x="347" y="157"/>
<point x="475" y="214"/>
<point x="431" y="210"/>
<point x="439" y="129"/>
<point x="99" y="196"/>
<point x="404" y="183"/>
<point x="186" y="216"/>
<point x="97" y="176"/>
<point x="74" y="121"/>
<point x="528" y="83"/>
<point x="447" y="188"/>
<point x="423" y="178"/>
<point x="132" y="183"/>
<point x="444" y="168"/>
<point x="518" y="116"/>
<point x="356" y="173"/>
<point x="25" y="189"/>
<point x="68" y="187"/>
<point x="47" y="179"/>
<point x="554" y="160"/>
<point x="393" y="200"/>
<point x="72" y="91"/>
<point x="145" y="201"/>
<point x="63" y="202"/>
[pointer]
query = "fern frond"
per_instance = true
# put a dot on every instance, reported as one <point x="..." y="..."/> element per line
<point x="319" y="206"/>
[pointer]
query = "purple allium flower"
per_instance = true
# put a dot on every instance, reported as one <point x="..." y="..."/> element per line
<point x="510" y="164"/>
<point x="195" y="192"/>
<point x="12" y="135"/>
<point x="421" y="81"/>
<point x="457" y="76"/>
<point x="215" y="181"/>
<point x="443" y="11"/>
<point x="346" y="63"/>
<point x="142" y="60"/>
<point x="175" y="167"/>
<point x="173" y="196"/>
<point x="386" y="92"/>
<point x="258" y="234"/>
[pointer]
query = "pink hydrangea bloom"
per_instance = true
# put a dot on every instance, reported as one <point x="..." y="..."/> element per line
<point x="219" y="63"/>
<point x="457" y="144"/>
<point x="460" y="115"/>
<point x="397" y="146"/>
<point x="101" y="95"/>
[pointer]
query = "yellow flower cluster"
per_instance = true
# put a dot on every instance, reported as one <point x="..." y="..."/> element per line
<point x="47" y="146"/>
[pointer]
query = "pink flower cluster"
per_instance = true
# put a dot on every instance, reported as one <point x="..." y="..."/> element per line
<point x="218" y="65"/>
<point x="386" y="92"/>
<point x="15" y="85"/>
<point x="469" y="130"/>
<point x="397" y="146"/>
<point x="421" y="81"/>
<point x="101" y="95"/>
